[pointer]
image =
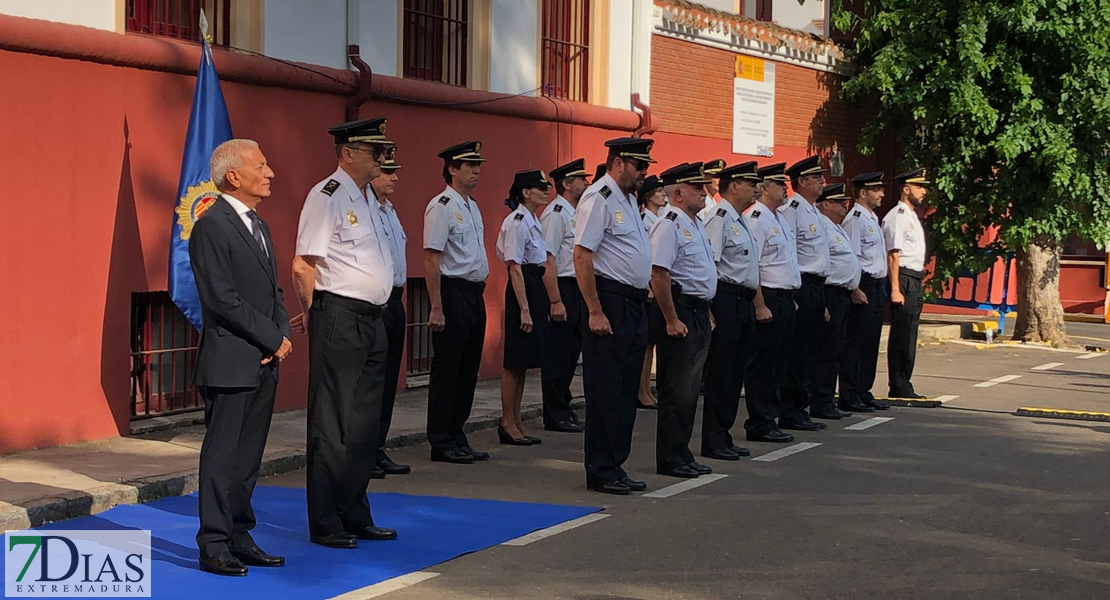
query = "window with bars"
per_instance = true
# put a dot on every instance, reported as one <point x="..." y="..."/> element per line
<point x="565" y="53"/>
<point x="418" y="362"/>
<point x="436" y="40"/>
<point x="163" y="357"/>
<point x="181" y="19"/>
<point x="763" y="10"/>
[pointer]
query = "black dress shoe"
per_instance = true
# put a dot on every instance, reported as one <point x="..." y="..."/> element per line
<point x="828" y="413"/>
<point x="535" y="440"/>
<point x="859" y="407"/>
<point x="616" y="488"/>
<point x="373" y="532"/>
<point x="255" y="557"/>
<point x="908" y="396"/>
<point x="877" y="404"/>
<point x="700" y="468"/>
<point x="224" y="564"/>
<point x="342" y="540"/>
<point x="475" y="454"/>
<point x="774" y="436"/>
<point x="504" y="437"/>
<point x="391" y="468"/>
<point x="565" y="427"/>
<point x="721" y="454"/>
<point x="811" y="426"/>
<point x="377" y="473"/>
<point x="685" y="472"/>
<point x="634" y="484"/>
<point x="740" y="451"/>
<point x="455" y="455"/>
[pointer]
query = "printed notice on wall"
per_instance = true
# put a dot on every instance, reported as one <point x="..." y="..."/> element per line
<point x="753" y="107"/>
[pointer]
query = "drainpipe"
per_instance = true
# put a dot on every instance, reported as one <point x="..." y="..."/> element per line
<point x="647" y="126"/>
<point x="365" y="74"/>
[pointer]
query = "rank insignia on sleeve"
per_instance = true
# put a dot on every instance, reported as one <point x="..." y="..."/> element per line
<point x="518" y="217"/>
<point x="605" y="191"/>
<point x="458" y="217"/>
<point x="901" y="210"/>
<point x="671" y="216"/>
<point x="721" y="212"/>
<point x="352" y="218"/>
<point x="330" y="187"/>
<point x="794" y="204"/>
<point x="618" y="216"/>
<point x="558" y="208"/>
<point x="444" y="200"/>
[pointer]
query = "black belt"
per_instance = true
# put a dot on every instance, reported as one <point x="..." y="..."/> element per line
<point x="604" y="284"/>
<point x="778" y="293"/>
<point x="867" y="279"/>
<point x="322" y="299"/>
<point x="396" y="293"/>
<point x="843" y="291"/>
<point x="465" y="285"/>
<point x="736" y="290"/>
<point x="914" y="273"/>
<point x="813" y="279"/>
<point x="532" y="270"/>
<point x="691" y="302"/>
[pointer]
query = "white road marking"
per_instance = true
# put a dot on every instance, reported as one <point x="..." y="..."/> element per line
<point x="684" y="486"/>
<point x="1046" y="366"/>
<point x="536" y="536"/>
<point x="997" y="380"/>
<point x="869" y="423"/>
<point x="787" y="451"/>
<point x="387" y="586"/>
<point x="1091" y="355"/>
<point x="945" y="398"/>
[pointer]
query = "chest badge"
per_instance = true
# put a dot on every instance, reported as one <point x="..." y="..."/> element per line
<point x="870" y="229"/>
<point x="573" y="223"/>
<point x="458" y="217"/>
<point x="837" y="238"/>
<point x="352" y="218"/>
<point x="812" y="228"/>
<point x="735" y="230"/>
<point x="776" y="230"/>
<point x="619" y="217"/>
<point x="686" y="232"/>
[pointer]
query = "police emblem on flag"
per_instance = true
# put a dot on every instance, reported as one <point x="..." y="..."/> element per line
<point x="197" y="199"/>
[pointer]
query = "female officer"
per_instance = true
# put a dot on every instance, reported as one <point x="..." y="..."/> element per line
<point x="652" y="199"/>
<point x="520" y="246"/>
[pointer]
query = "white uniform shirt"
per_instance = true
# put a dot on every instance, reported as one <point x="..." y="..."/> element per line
<point x="844" y="268"/>
<point x="340" y="228"/>
<point x="778" y="256"/>
<point x="242" y="210"/>
<point x="650" y="218"/>
<point x="558" y="235"/>
<point x="733" y="247"/>
<point x="813" y="247"/>
<point x="609" y="224"/>
<point x="453" y="226"/>
<point x="521" y="239"/>
<point x="391" y="225"/>
<point x="904" y="233"/>
<point x="679" y="245"/>
<point x="866" y="236"/>
<point x="711" y="203"/>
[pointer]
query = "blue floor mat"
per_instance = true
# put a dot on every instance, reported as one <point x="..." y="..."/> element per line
<point x="431" y="530"/>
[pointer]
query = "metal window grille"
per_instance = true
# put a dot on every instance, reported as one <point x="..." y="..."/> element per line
<point x="763" y="10"/>
<point x="419" y="336"/>
<point x="181" y="19"/>
<point x="163" y="357"/>
<point x="436" y="40"/>
<point x="565" y="51"/>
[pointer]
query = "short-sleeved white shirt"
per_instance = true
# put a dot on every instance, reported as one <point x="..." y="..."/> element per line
<point x="679" y="245"/>
<point x="844" y="268"/>
<point x="733" y="247"/>
<point x="711" y="203"/>
<point x="557" y="221"/>
<point x="650" y="218"/>
<point x="453" y="226"/>
<point x="778" y="258"/>
<point x="866" y="236"/>
<point x="391" y="225"/>
<point x="609" y="225"/>
<point x="342" y="230"/>
<point x="904" y="234"/>
<point x="520" y="239"/>
<point x="809" y="234"/>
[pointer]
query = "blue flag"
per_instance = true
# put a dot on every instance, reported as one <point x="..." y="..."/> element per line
<point x="208" y="127"/>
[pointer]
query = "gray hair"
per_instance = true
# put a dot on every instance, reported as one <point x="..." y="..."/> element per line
<point x="228" y="156"/>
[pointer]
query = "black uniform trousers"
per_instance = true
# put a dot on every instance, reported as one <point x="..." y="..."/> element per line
<point x="831" y="336"/>
<point x="393" y="319"/>
<point x="566" y="346"/>
<point x="611" y="378"/>
<point x="727" y="363"/>
<point x="902" y="346"/>
<point x="237" y="423"/>
<point x="860" y="356"/>
<point x="457" y="355"/>
<point x="681" y="364"/>
<point x="346" y="372"/>
<point x="771" y="345"/>
<point x="799" y="386"/>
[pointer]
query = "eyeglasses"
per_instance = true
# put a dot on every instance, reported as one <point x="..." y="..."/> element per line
<point x="639" y="165"/>
<point x="376" y="153"/>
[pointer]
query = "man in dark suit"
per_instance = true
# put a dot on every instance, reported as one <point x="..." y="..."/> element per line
<point x="245" y="336"/>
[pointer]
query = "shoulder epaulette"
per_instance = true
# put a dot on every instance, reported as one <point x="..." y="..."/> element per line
<point x="605" y="191"/>
<point x="721" y="212"/>
<point x="519" y="217"/>
<point x="755" y="214"/>
<point x="558" y="208"/>
<point x="671" y="216"/>
<point x="855" y="214"/>
<point x="794" y="204"/>
<point x="330" y="187"/>
<point x="444" y="200"/>
<point x="901" y="210"/>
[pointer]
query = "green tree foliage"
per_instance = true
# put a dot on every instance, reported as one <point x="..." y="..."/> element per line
<point x="1007" y="102"/>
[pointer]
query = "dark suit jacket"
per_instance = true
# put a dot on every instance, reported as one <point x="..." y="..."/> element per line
<point x="241" y="302"/>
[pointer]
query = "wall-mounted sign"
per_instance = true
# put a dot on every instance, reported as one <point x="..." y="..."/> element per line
<point x="753" y="107"/>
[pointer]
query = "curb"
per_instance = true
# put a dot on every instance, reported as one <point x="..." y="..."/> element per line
<point x="1056" y="413"/>
<point x="148" y="489"/>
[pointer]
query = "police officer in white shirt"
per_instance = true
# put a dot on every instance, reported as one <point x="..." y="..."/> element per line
<point x="713" y="170"/>
<point x="558" y="223"/>
<point x="456" y="268"/>
<point x="860" y="356"/>
<point x="905" y="245"/>
<point x="773" y="333"/>
<point x="801" y="214"/>
<point x="393" y="318"/>
<point x="343" y="276"/>
<point x="841" y="291"/>
<point x="612" y="261"/>
<point x="652" y="199"/>
<point x="737" y="281"/>
<point x="684" y="281"/>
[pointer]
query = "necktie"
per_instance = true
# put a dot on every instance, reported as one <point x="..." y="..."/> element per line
<point x="256" y="230"/>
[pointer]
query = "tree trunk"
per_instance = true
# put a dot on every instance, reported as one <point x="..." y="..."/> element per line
<point x="1040" y="314"/>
